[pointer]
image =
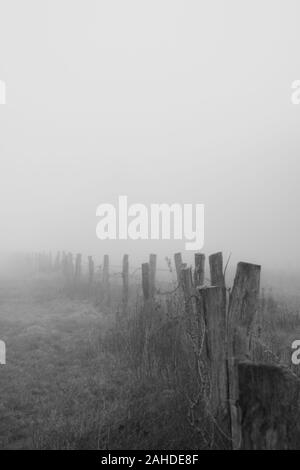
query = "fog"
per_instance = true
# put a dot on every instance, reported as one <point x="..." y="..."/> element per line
<point x="163" y="101"/>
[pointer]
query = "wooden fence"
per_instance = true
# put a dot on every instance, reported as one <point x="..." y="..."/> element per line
<point x="256" y="405"/>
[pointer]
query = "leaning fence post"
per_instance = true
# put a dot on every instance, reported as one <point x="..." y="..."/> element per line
<point x="242" y="308"/>
<point x="125" y="274"/>
<point x="187" y="285"/>
<point x="216" y="269"/>
<point x="152" y="274"/>
<point x="146" y="281"/>
<point x="199" y="269"/>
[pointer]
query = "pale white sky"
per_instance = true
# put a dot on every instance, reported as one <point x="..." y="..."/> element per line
<point x="163" y="101"/>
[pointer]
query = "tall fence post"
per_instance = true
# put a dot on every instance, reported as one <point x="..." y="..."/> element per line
<point x="216" y="269"/>
<point x="214" y="313"/>
<point x="125" y="276"/>
<point x="242" y="308"/>
<point x="199" y="273"/>
<point x="152" y="274"/>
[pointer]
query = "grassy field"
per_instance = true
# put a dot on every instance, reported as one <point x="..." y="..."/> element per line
<point x="77" y="378"/>
<point x="66" y="385"/>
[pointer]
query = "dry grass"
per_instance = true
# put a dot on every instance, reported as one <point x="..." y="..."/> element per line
<point x="80" y="379"/>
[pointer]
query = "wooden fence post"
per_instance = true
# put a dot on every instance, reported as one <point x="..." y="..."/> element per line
<point x="214" y="313"/>
<point x="199" y="272"/>
<point x="152" y="274"/>
<point x="190" y="305"/>
<point x="269" y="398"/>
<point x="216" y="269"/>
<point x="146" y="281"/>
<point x="78" y="267"/>
<point x="125" y="275"/>
<point x="91" y="268"/>
<point x="178" y="266"/>
<point x="242" y="309"/>
<point x="106" y="284"/>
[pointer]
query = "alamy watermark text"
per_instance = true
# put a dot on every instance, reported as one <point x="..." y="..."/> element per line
<point x="156" y="222"/>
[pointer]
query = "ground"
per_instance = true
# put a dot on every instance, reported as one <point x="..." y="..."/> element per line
<point x="51" y="368"/>
<point x="60" y="387"/>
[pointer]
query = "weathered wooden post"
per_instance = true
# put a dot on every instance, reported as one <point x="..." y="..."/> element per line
<point x="190" y="306"/>
<point x="146" y="281"/>
<point x="78" y="268"/>
<point x="242" y="308"/>
<point x="199" y="272"/>
<point x="2" y="352"/>
<point x="187" y="286"/>
<point x="216" y="269"/>
<point x="125" y="277"/>
<point x="106" y="284"/>
<point x="91" y="270"/>
<point x="269" y="399"/>
<point x="152" y="274"/>
<point x="178" y="266"/>
<point x="214" y="313"/>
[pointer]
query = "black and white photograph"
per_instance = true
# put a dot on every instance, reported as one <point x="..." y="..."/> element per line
<point x="150" y="228"/>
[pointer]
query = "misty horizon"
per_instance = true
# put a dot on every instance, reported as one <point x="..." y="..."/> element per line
<point x="197" y="110"/>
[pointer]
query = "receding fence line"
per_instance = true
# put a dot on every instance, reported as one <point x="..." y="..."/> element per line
<point x="254" y="405"/>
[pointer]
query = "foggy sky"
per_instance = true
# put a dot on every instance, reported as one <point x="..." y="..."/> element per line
<point x="162" y="101"/>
